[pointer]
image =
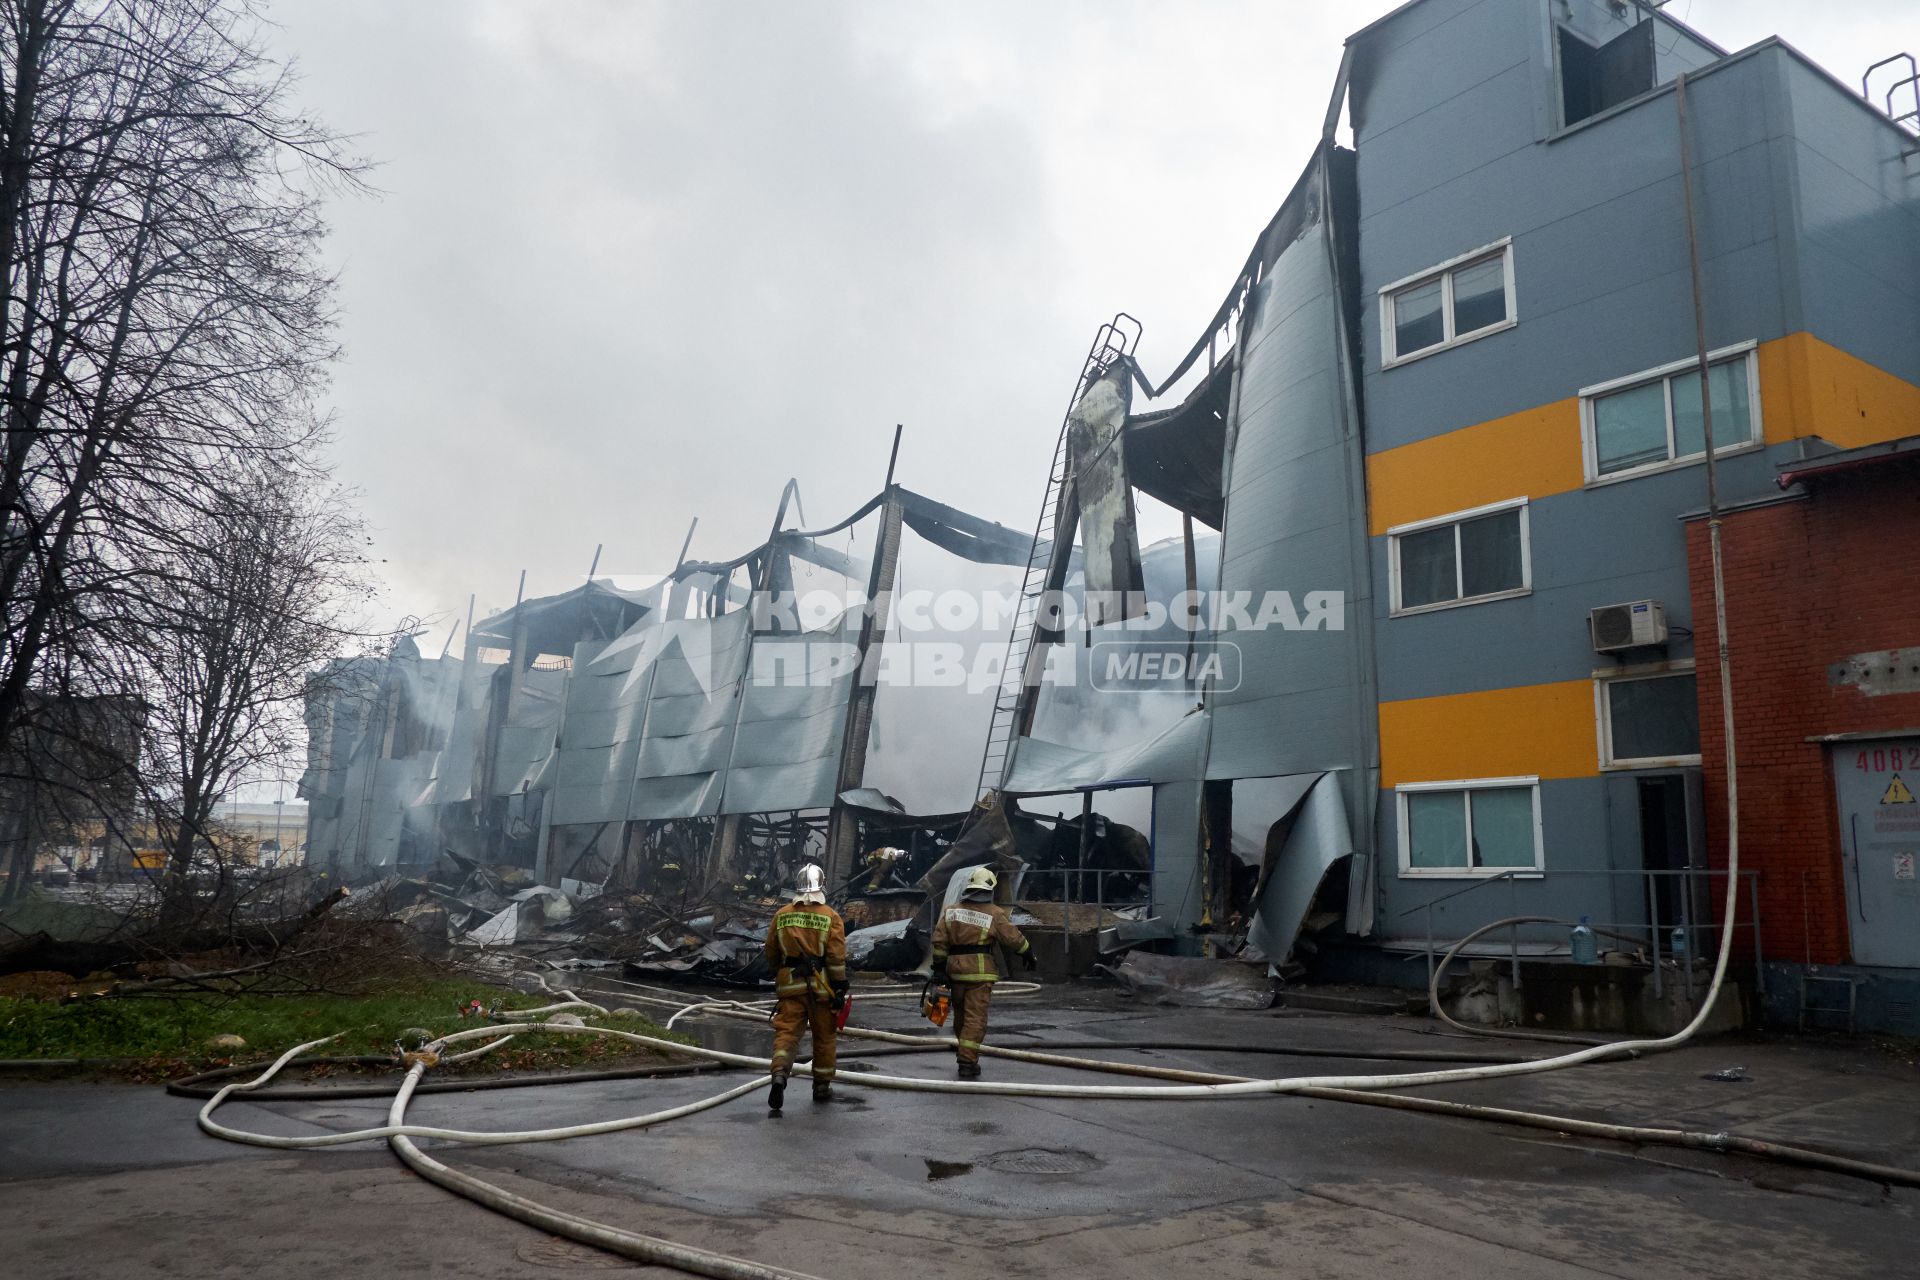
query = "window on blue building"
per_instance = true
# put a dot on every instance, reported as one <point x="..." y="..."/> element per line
<point x="1652" y="420"/>
<point x="1417" y="322"/>
<point x="1630" y="428"/>
<point x="1480" y="295"/>
<point x="1469" y="556"/>
<point x="1455" y="302"/>
<point x="1649" y="719"/>
<point x="1457" y="828"/>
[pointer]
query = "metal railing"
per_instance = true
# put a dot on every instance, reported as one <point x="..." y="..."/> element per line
<point x="1910" y="120"/>
<point x="1694" y="922"/>
<point x="1073" y="883"/>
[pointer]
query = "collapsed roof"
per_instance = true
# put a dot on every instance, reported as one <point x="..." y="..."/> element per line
<point x="552" y="624"/>
<point x="615" y="705"/>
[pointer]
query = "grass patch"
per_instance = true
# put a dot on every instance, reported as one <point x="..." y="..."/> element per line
<point x="168" y="1035"/>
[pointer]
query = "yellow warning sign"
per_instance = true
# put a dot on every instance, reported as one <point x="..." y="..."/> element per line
<point x="1898" y="792"/>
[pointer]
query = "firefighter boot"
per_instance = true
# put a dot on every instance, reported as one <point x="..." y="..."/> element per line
<point x="777" y="1095"/>
<point x="969" y="1071"/>
<point x="823" y="1090"/>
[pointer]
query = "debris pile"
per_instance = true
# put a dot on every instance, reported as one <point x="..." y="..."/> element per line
<point x="704" y="919"/>
<point x="1195" y="982"/>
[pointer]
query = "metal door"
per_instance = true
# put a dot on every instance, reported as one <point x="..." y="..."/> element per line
<point x="1876" y="783"/>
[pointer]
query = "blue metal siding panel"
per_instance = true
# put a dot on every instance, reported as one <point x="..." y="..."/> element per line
<point x="1298" y="487"/>
<point x="1439" y="70"/>
<point x="1295" y="509"/>
<point x="1856" y="223"/>
<point x="1578" y="833"/>
<point x="1460" y="145"/>
<point x="1859" y="205"/>
<point x="1783" y="167"/>
<point x="1864" y="312"/>
<point x="1280" y="663"/>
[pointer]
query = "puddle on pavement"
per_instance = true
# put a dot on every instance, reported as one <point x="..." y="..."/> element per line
<point x="915" y="1168"/>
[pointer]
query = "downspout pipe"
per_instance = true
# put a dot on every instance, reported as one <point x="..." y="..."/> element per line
<point x="1714" y="522"/>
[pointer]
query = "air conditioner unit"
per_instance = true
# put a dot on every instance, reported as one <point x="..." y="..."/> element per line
<point x="1634" y="625"/>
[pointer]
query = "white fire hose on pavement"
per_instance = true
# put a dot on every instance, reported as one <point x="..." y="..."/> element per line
<point x="1192" y="1086"/>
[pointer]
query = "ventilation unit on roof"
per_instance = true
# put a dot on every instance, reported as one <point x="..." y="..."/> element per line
<point x="1637" y="624"/>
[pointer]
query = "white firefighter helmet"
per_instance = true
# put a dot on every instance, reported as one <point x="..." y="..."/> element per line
<point x="811" y="884"/>
<point x="982" y="880"/>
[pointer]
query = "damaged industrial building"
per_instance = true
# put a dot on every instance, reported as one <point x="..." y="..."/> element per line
<point x="682" y="748"/>
<point x="1437" y="459"/>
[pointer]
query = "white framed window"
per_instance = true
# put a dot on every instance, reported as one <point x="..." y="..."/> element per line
<point x="1648" y="717"/>
<point x="1458" y="301"/>
<point x="1480" y="827"/>
<point x="1464" y="558"/>
<point x="1651" y="421"/>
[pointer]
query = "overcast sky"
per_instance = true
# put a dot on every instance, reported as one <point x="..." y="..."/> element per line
<point x="640" y="262"/>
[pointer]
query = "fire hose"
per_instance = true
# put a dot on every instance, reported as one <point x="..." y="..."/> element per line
<point x="1187" y="1085"/>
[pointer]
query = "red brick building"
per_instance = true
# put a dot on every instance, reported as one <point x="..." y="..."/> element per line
<point x="1823" y="613"/>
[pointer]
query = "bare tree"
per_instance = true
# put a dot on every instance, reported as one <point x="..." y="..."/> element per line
<point x="165" y="323"/>
<point x="264" y="591"/>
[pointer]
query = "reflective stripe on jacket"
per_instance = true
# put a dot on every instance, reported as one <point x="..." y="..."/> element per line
<point x="814" y="931"/>
<point x="974" y="924"/>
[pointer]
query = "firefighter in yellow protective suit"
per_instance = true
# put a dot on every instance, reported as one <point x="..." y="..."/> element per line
<point x="807" y="949"/>
<point x="963" y="947"/>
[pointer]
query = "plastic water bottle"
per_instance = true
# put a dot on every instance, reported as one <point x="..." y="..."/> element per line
<point x="1678" y="945"/>
<point x="1585" y="949"/>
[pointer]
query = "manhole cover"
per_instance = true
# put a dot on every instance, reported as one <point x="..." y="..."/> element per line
<point x="1044" y="1160"/>
<point x="555" y="1252"/>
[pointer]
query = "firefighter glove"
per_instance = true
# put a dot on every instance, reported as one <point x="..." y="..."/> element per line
<point x="839" y="990"/>
<point x="1027" y="961"/>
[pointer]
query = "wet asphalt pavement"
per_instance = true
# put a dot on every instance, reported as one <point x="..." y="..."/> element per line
<point x="116" y="1180"/>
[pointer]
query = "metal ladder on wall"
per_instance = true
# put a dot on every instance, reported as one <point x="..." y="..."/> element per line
<point x="1114" y="342"/>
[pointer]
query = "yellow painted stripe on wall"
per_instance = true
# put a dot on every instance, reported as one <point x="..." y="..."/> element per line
<point x="1786" y="387"/>
<point x="1807" y="388"/>
<point x="1543" y="729"/>
<point x="1812" y="388"/>
<point x="1528" y="454"/>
